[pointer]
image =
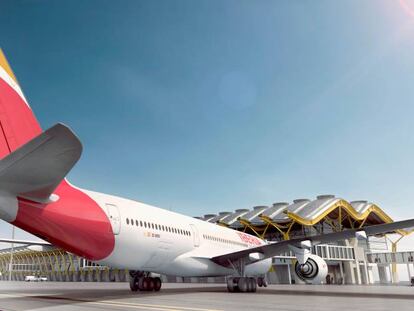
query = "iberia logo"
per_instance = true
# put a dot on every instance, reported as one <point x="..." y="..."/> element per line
<point x="249" y="239"/>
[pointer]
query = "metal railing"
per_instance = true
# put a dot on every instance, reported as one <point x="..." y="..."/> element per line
<point x="388" y="257"/>
<point x="327" y="252"/>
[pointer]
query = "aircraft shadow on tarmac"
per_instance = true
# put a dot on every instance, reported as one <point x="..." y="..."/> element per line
<point x="76" y="296"/>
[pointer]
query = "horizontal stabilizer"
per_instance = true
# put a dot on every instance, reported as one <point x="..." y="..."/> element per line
<point x="12" y="241"/>
<point x="35" y="169"/>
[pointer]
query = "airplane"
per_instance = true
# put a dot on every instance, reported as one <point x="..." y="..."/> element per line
<point x="117" y="232"/>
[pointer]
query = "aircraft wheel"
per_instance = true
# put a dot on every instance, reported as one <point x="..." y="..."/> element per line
<point x="242" y="285"/>
<point x="133" y="284"/>
<point x="253" y="285"/>
<point x="157" y="284"/>
<point x="143" y="284"/>
<point x="260" y="282"/>
<point x="236" y="284"/>
<point x="151" y="284"/>
<point x="231" y="286"/>
<point x="248" y="285"/>
<point x="264" y="282"/>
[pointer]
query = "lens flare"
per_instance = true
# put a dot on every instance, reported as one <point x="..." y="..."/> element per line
<point x="408" y="6"/>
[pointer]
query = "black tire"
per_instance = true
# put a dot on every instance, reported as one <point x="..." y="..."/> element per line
<point x="143" y="284"/>
<point x="236" y="284"/>
<point x="260" y="282"/>
<point x="151" y="284"/>
<point x="133" y="284"/>
<point x="249" y="285"/>
<point x="231" y="286"/>
<point x="157" y="284"/>
<point x="253" y="285"/>
<point x="243" y="285"/>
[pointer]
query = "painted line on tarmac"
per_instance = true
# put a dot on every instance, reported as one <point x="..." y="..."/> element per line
<point x="140" y="306"/>
<point x="157" y="306"/>
<point x="128" y="306"/>
<point x="23" y="296"/>
<point x="10" y="296"/>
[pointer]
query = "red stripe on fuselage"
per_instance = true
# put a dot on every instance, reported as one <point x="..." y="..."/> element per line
<point x="74" y="222"/>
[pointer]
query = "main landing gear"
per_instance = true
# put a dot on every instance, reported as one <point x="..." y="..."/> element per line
<point x="144" y="282"/>
<point x="241" y="284"/>
<point x="245" y="284"/>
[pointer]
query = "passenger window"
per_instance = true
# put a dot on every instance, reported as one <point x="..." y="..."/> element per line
<point x="136" y="223"/>
<point x="140" y="222"/>
<point x="127" y="221"/>
<point x="145" y="224"/>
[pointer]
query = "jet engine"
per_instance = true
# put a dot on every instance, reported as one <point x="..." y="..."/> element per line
<point x="313" y="271"/>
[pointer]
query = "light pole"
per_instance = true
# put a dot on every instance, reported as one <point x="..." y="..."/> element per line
<point x="11" y="256"/>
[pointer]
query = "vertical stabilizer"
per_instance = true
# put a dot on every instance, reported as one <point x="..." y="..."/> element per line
<point x="18" y="124"/>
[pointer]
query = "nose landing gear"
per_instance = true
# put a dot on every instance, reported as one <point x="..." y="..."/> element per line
<point x="142" y="281"/>
<point x="261" y="282"/>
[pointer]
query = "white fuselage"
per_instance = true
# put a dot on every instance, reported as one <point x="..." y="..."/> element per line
<point x="152" y="239"/>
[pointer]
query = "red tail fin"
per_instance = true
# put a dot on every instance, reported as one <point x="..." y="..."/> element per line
<point x="18" y="124"/>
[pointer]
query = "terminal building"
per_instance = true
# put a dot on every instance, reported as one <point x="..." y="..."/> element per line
<point x="349" y="262"/>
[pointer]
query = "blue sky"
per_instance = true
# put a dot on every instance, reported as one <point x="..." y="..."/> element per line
<point x="205" y="106"/>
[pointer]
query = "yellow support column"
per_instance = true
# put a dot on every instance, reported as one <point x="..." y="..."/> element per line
<point x="394" y="264"/>
<point x="340" y="219"/>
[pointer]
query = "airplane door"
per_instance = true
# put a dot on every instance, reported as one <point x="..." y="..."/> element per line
<point x="196" y="237"/>
<point x="114" y="217"/>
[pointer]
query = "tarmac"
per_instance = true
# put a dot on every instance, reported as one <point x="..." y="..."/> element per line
<point x="201" y="297"/>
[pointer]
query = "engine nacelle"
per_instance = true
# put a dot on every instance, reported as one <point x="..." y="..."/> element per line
<point x="313" y="271"/>
<point x="258" y="268"/>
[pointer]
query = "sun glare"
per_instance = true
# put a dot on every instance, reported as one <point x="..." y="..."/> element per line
<point x="408" y="6"/>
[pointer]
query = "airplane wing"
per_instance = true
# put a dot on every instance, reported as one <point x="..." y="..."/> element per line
<point x="276" y="248"/>
<point x="25" y="242"/>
